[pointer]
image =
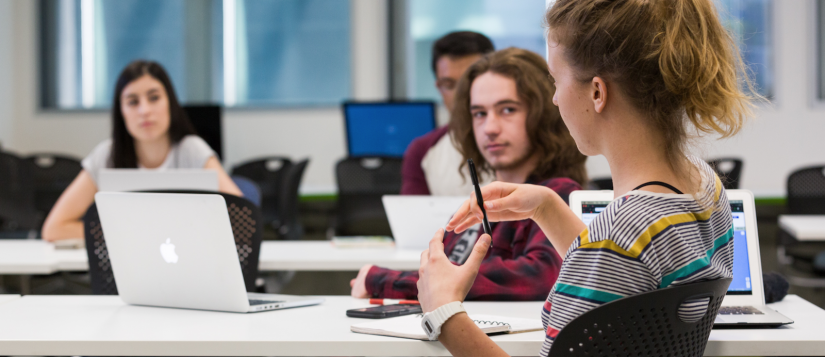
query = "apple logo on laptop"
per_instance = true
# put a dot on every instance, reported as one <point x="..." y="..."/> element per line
<point x="167" y="251"/>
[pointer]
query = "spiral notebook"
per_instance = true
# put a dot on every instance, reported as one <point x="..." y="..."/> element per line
<point x="410" y="326"/>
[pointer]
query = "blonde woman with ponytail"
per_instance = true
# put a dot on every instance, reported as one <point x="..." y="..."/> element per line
<point x="635" y="80"/>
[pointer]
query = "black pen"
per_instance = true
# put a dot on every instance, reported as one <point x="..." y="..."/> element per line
<point x="479" y="199"/>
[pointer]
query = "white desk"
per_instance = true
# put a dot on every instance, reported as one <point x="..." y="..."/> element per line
<point x="6" y="298"/>
<point x="805" y="337"/>
<point x="322" y="256"/>
<point x="33" y="257"/>
<point x="103" y="325"/>
<point x="804" y="228"/>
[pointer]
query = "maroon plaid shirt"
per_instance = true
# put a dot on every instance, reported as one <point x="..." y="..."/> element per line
<point x="522" y="265"/>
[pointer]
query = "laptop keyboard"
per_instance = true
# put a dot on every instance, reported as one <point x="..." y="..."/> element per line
<point x="263" y="302"/>
<point x="739" y="310"/>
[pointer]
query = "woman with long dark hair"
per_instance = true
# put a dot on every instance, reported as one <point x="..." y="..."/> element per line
<point x="150" y="130"/>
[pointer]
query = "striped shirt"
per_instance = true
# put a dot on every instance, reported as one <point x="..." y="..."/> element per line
<point x="641" y="242"/>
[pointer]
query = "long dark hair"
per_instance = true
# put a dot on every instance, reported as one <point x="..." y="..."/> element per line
<point x="549" y="137"/>
<point x="123" y="153"/>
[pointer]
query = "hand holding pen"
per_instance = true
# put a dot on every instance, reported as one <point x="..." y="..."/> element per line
<point x="504" y="201"/>
<point x="479" y="197"/>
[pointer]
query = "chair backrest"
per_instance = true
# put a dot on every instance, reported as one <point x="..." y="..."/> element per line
<point x="646" y="324"/>
<point x="249" y="189"/>
<point x="806" y="191"/>
<point x="361" y="183"/>
<point x="268" y="173"/>
<point x="291" y="227"/>
<point x="51" y="175"/>
<point x="247" y="227"/>
<point x="729" y="171"/>
<point x="17" y="210"/>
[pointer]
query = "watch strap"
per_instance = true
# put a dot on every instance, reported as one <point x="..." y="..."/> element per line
<point x="439" y="316"/>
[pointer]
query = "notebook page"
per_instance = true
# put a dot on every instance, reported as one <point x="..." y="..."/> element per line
<point x="410" y="326"/>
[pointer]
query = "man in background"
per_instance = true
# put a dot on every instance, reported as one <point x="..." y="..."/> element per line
<point x="431" y="162"/>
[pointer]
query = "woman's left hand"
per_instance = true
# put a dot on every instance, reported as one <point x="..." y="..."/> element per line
<point x="440" y="281"/>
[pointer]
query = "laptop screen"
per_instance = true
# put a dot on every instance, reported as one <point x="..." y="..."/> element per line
<point x="386" y="129"/>
<point x="741" y="284"/>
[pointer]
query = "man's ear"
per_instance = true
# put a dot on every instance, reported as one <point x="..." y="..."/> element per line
<point x="598" y="94"/>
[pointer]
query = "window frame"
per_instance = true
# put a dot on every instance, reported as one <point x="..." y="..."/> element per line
<point x="45" y="85"/>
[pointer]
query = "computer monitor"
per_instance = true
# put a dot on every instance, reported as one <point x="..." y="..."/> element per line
<point x="386" y="128"/>
<point x="207" y="122"/>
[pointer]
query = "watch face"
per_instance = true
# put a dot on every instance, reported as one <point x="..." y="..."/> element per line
<point x="428" y="327"/>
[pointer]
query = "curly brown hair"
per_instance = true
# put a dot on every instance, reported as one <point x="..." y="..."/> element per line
<point x="557" y="152"/>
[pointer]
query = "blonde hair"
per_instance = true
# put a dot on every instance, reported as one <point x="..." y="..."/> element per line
<point x="672" y="58"/>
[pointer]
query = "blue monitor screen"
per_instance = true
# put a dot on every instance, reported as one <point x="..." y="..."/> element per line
<point x="741" y="284"/>
<point x="386" y="129"/>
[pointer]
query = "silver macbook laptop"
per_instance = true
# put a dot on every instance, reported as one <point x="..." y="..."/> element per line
<point x="177" y="250"/>
<point x="744" y="303"/>
<point x="145" y="180"/>
<point x="414" y="219"/>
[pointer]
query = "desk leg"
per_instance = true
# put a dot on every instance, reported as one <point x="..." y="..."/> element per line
<point x="25" y="284"/>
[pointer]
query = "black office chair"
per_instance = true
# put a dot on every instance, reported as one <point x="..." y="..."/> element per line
<point x="805" y="195"/>
<point x="601" y="183"/>
<point x="18" y="216"/>
<point x="51" y="175"/>
<point x="244" y="217"/>
<point x="646" y="324"/>
<point x="268" y="173"/>
<point x="361" y="183"/>
<point x="729" y="171"/>
<point x="290" y="219"/>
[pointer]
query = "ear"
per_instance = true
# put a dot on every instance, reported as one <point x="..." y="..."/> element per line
<point x="598" y="94"/>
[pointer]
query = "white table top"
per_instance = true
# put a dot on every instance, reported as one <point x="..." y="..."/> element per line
<point x="6" y="298"/>
<point x="27" y="256"/>
<point x="104" y="325"/>
<point x="804" y="227"/>
<point x="40" y="257"/>
<point x="805" y="337"/>
<point x="322" y="256"/>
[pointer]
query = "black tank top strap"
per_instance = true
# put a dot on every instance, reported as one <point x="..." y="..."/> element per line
<point x="659" y="183"/>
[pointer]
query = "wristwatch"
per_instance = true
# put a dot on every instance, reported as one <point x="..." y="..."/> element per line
<point x="432" y="321"/>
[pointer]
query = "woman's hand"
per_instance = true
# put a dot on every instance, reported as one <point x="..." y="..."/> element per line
<point x="503" y="202"/>
<point x="440" y="281"/>
<point x="359" y="284"/>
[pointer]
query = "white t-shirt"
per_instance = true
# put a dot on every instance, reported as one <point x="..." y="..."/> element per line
<point x="440" y="164"/>
<point x="190" y="153"/>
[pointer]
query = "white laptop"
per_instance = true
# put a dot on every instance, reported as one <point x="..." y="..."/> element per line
<point x="120" y="180"/>
<point x="414" y="219"/>
<point x="177" y="250"/>
<point x="744" y="303"/>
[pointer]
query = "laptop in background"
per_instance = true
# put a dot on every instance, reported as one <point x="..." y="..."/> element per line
<point x="386" y="128"/>
<point x="414" y="219"/>
<point x="177" y="250"/>
<point x="119" y="180"/>
<point x="744" y="302"/>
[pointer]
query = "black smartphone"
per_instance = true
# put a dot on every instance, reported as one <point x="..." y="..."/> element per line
<point x="384" y="311"/>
